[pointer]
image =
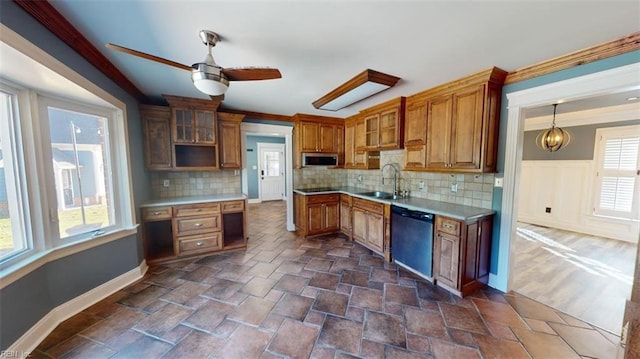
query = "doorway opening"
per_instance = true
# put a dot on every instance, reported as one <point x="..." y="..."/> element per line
<point x="591" y="86"/>
<point x="252" y="133"/>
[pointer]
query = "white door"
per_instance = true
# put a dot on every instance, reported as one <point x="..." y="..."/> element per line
<point x="271" y="171"/>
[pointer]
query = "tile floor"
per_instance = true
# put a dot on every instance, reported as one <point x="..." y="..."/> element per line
<point x="321" y="298"/>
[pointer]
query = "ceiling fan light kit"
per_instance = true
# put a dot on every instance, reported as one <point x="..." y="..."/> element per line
<point x="554" y="138"/>
<point x="363" y="85"/>
<point x="208" y="77"/>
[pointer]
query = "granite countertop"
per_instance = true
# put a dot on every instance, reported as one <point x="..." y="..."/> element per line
<point x="457" y="211"/>
<point x="193" y="199"/>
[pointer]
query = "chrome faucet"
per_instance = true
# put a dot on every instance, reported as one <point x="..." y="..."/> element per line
<point x="395" y="177"/>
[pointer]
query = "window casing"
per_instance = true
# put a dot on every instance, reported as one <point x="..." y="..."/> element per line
<point x="617" y="172"/>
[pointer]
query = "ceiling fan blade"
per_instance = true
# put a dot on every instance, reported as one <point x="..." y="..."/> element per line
<point x="146" y="56"/>
<point x="251" y="73"/>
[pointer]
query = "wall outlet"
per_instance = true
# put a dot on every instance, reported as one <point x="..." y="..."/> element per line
<point x="421" y="185"/>
<point x="547" y="210"/>
<point x="454" y="187"/>
<point x="166" y="183"/>
<point x="359" y="178"/>
<point x="498" y="182"/>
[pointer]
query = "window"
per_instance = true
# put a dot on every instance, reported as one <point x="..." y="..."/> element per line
<point x="80" y="164"/>
<point x="13" y="232"/>
<point x="64" y="161"/>
<point x="617" y="159"/>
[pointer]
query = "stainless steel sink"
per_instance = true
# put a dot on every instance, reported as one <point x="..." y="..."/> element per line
<point x="378" y="194"/>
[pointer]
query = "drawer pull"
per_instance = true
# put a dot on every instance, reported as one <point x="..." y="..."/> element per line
<point x="198" y="209"/>
<point x="448" y="226"/>
<point x="198" y="224"/>
<point x="199" y="244"/>
<point x="156" y="213"/>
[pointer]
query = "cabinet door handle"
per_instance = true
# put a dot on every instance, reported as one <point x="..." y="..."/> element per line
<point x="199" y="244"/>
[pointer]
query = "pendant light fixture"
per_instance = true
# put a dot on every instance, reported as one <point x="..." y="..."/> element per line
<point x="555" y="138"/>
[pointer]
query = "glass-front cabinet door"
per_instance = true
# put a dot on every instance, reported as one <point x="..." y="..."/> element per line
<point x="205" y="126"/>
<point x="183" y="125"/>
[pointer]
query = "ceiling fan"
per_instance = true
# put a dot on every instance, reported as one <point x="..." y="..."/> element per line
<point x="207" y="76"/>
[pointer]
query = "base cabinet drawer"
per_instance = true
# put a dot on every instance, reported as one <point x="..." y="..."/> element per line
<point x="205" y="209"/>
<point x="199" y="243"/>
<point x="186" y="226"/>
<point x="156" y="213"/>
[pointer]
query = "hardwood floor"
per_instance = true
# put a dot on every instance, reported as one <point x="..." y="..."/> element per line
<point x="326" y="297"/>
<point x="586" y="276"/>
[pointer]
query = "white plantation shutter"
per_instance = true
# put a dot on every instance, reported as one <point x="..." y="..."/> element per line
<point x="618" y="152"/>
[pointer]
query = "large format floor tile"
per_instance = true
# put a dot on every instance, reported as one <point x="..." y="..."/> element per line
<point x="284" y="297"/>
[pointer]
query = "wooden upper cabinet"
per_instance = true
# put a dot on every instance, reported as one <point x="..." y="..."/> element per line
<point x="309" y="133"/>
<point x="355" y="155"/>
<point x="317" y="134"/>
<point x="327" y="139"/>
<point x="230" y="140"/>
<point x="157" y="137"/>
<point x="415" y="130"/>
<point x="193" y="126"/>
<point x="360" y="134"/>
<point x="459" y="123"/>
<point x="466" y="128"/>
<point x="384" y="125"/>
<point x="438" y="133"/>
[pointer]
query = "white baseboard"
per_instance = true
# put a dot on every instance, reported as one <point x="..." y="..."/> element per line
<point x="254" y="200"/>
<point x="34" y="336"/>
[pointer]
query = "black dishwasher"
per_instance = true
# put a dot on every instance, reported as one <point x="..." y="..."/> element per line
<point x="412" y="240"/>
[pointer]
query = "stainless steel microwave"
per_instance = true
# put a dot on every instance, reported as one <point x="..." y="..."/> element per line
<point x="319" y="159"/>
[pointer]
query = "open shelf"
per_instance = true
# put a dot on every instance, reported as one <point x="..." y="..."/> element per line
<point x="195" y="156"/>
<point x="233" y="226"/>
<point x="159" y="240"/>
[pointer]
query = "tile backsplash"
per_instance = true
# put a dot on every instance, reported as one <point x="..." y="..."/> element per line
<point x="472" y="189"/>
<point x="195" y="183"/>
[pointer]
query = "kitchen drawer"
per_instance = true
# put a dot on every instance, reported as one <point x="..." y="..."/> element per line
<point x="323" y="198"/>
<point x="156" y="213"/>
<point x="234" y="206"/>
<point x="199" y="243"/>
<point x="370" y="206"/>
<point x="186" y="226"/>
<point x="448" y="225"/>
<point x="202" y="209"/>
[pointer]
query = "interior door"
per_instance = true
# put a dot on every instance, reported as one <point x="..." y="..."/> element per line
<point x="271" y="164"/>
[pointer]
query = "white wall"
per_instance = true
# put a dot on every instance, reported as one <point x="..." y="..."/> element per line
<point x="567" y="188"/>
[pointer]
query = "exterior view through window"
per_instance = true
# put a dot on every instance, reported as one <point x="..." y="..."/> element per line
<point x="79" y="149"/>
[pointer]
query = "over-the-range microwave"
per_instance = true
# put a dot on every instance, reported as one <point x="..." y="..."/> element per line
<point x="319" y="159"/>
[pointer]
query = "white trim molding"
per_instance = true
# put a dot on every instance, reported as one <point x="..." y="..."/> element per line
<point x="626" y="112"/>
<point x="34" y="336"/>
<point x="623" y="78"/>
<point x="260" y="129"/>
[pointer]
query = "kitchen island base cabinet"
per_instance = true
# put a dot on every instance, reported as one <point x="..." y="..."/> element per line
<point x="462" y="253"/>
<point x="179" y="231"/>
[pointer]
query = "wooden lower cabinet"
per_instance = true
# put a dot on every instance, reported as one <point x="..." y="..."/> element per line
<point x="345" y="214"/>
<point x="317" y="214"/>
<point x="370" y="225"/>
<point x="461" y="253"/>
<point x="171" y="232"/>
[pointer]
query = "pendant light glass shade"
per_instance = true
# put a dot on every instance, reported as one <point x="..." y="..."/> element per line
<point x="554" y="138"/>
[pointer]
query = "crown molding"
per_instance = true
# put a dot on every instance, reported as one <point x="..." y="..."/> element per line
<point x="594" y="53"/>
